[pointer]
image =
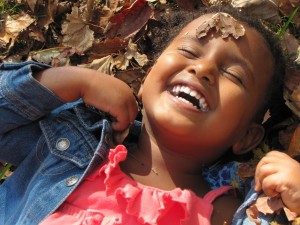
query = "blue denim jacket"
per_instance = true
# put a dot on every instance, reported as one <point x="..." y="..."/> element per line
<point x="53" y="150"/>
<point x="54" y="145"/>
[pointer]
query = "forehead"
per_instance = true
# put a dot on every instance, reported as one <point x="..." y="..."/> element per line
<point x="251" y="46"/>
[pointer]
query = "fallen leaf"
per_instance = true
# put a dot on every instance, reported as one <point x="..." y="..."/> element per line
<point x="287" y="7"/>
<point x="252" y="213"/>
<point x="188" y="4"/>
<point x="297" y="60"/>
<point x="263" y="9"/>
<point x="131" y="77"/>
<point x="46" y="55"/>
<point x="122" y="60"/>
<point x="102" y="48"/>
<point x="268" y="205"/>
<point x="76" y="32"/>
<point x="47" y="14"/>
<point x="13" y="27"/>
<point x="31" y="4"/>
<point x="291" y="45"/>
<point x="129" y="21"/>
<point x="104" y="65"/>
<point x="291" y="216"/>
<point x="108" y="11"/>
<point x="224" y="23"/>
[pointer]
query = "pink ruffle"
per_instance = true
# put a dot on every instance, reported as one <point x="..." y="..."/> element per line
<point x="110" y="197"/>
<point x="151" y="205"/>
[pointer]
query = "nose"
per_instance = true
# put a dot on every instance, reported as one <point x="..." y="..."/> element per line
<point x="204" y="70"/>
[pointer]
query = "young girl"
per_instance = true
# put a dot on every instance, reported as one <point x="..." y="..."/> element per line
<point x="205" y="95"/>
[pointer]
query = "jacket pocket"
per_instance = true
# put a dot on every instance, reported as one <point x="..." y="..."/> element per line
<point x="68" y="140"/>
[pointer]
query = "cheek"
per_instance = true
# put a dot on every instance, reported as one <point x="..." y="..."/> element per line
<point x="169" y="63"/>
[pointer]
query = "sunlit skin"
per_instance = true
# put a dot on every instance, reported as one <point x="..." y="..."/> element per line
<point x="202" y="137"/>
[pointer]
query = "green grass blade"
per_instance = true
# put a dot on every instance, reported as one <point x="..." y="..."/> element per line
<point x="284" y="28"/>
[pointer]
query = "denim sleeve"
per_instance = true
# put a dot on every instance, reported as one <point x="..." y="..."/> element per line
<point x="22" y="98"/>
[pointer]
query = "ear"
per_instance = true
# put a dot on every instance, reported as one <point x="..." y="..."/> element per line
<point x="252" y="137"/>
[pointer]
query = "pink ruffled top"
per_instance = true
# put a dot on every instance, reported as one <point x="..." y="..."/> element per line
<point x="108" y="196"/>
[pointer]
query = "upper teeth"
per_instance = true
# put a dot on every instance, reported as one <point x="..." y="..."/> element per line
<point x="202" y="102"/>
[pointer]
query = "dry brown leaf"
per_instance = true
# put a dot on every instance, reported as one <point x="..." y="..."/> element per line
<point x="104" y="65"/>
<point x="131" y="77"/>
<point x="36" y="34"/>
<point x="215" y="2"/>
<point x="287" y="7"/>
<point x="76" y="32"/>
<point x="31" y="4"/>
<point x="269" y="205"/>
<point x="285" y="135"/>
<point x="252" y="213"/>
<point x="48" y="14"/>
<point x="264" y="9"/>
<point x="291" y="216"/>
<point x="46" y="55"/>
<point x="106" y="47"/>
<point x="297" y="60"/>
<point x="108" y="11"/>
<point x="291" y="45"/>
<point x="129" y="21"/>
<point x="224" y="23"/>
<point x="292" y="98"/>
<point x="188" y="4"/>
<point x="294" y="146"/>
<point x="13" y="27"/>
<point x="122" y="61"/>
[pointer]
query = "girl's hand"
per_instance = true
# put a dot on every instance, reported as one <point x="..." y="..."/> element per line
<point x="113" y="96"/>
<point x="277" y="173"/>
<point x="102" y="91"/>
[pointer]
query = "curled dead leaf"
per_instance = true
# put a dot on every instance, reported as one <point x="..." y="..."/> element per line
<point x="76" y="32"/>
<point x="13" y="27"/>
<point x="268" y="205"/>
<point x="252" y="213"/>
<point x="264" y="9"/>
<point x="122" y="60"/>
<point x="104" y="65"/>
<point x="188" y="4"/>
<point x="223" y="23"/>
<point x="129" y="21"/>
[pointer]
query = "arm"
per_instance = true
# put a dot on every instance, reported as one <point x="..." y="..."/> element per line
<point x="277" y="173"/>
<point x="102" y="91"/>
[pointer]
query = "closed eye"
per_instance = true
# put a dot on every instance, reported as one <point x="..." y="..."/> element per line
<point x="233" y="76"/>
<point x="188" y="52"/>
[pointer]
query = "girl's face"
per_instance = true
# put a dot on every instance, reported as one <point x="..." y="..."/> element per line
<point x="201" y="94"/>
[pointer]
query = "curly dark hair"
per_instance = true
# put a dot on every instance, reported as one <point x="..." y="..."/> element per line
<point x="170" y="24"/>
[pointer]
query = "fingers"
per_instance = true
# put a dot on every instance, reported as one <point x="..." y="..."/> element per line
<point x="267" y="166"/>
<point x="125" y="116"/>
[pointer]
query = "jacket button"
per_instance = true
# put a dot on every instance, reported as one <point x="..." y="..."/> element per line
<point x="71" y="181"/>
<point x="62" y="144"/>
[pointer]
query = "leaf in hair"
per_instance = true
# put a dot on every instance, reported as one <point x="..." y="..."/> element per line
<point x="223" y="23"/>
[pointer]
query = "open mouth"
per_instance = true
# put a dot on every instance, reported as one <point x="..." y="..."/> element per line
<point x="190" y="96"/>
